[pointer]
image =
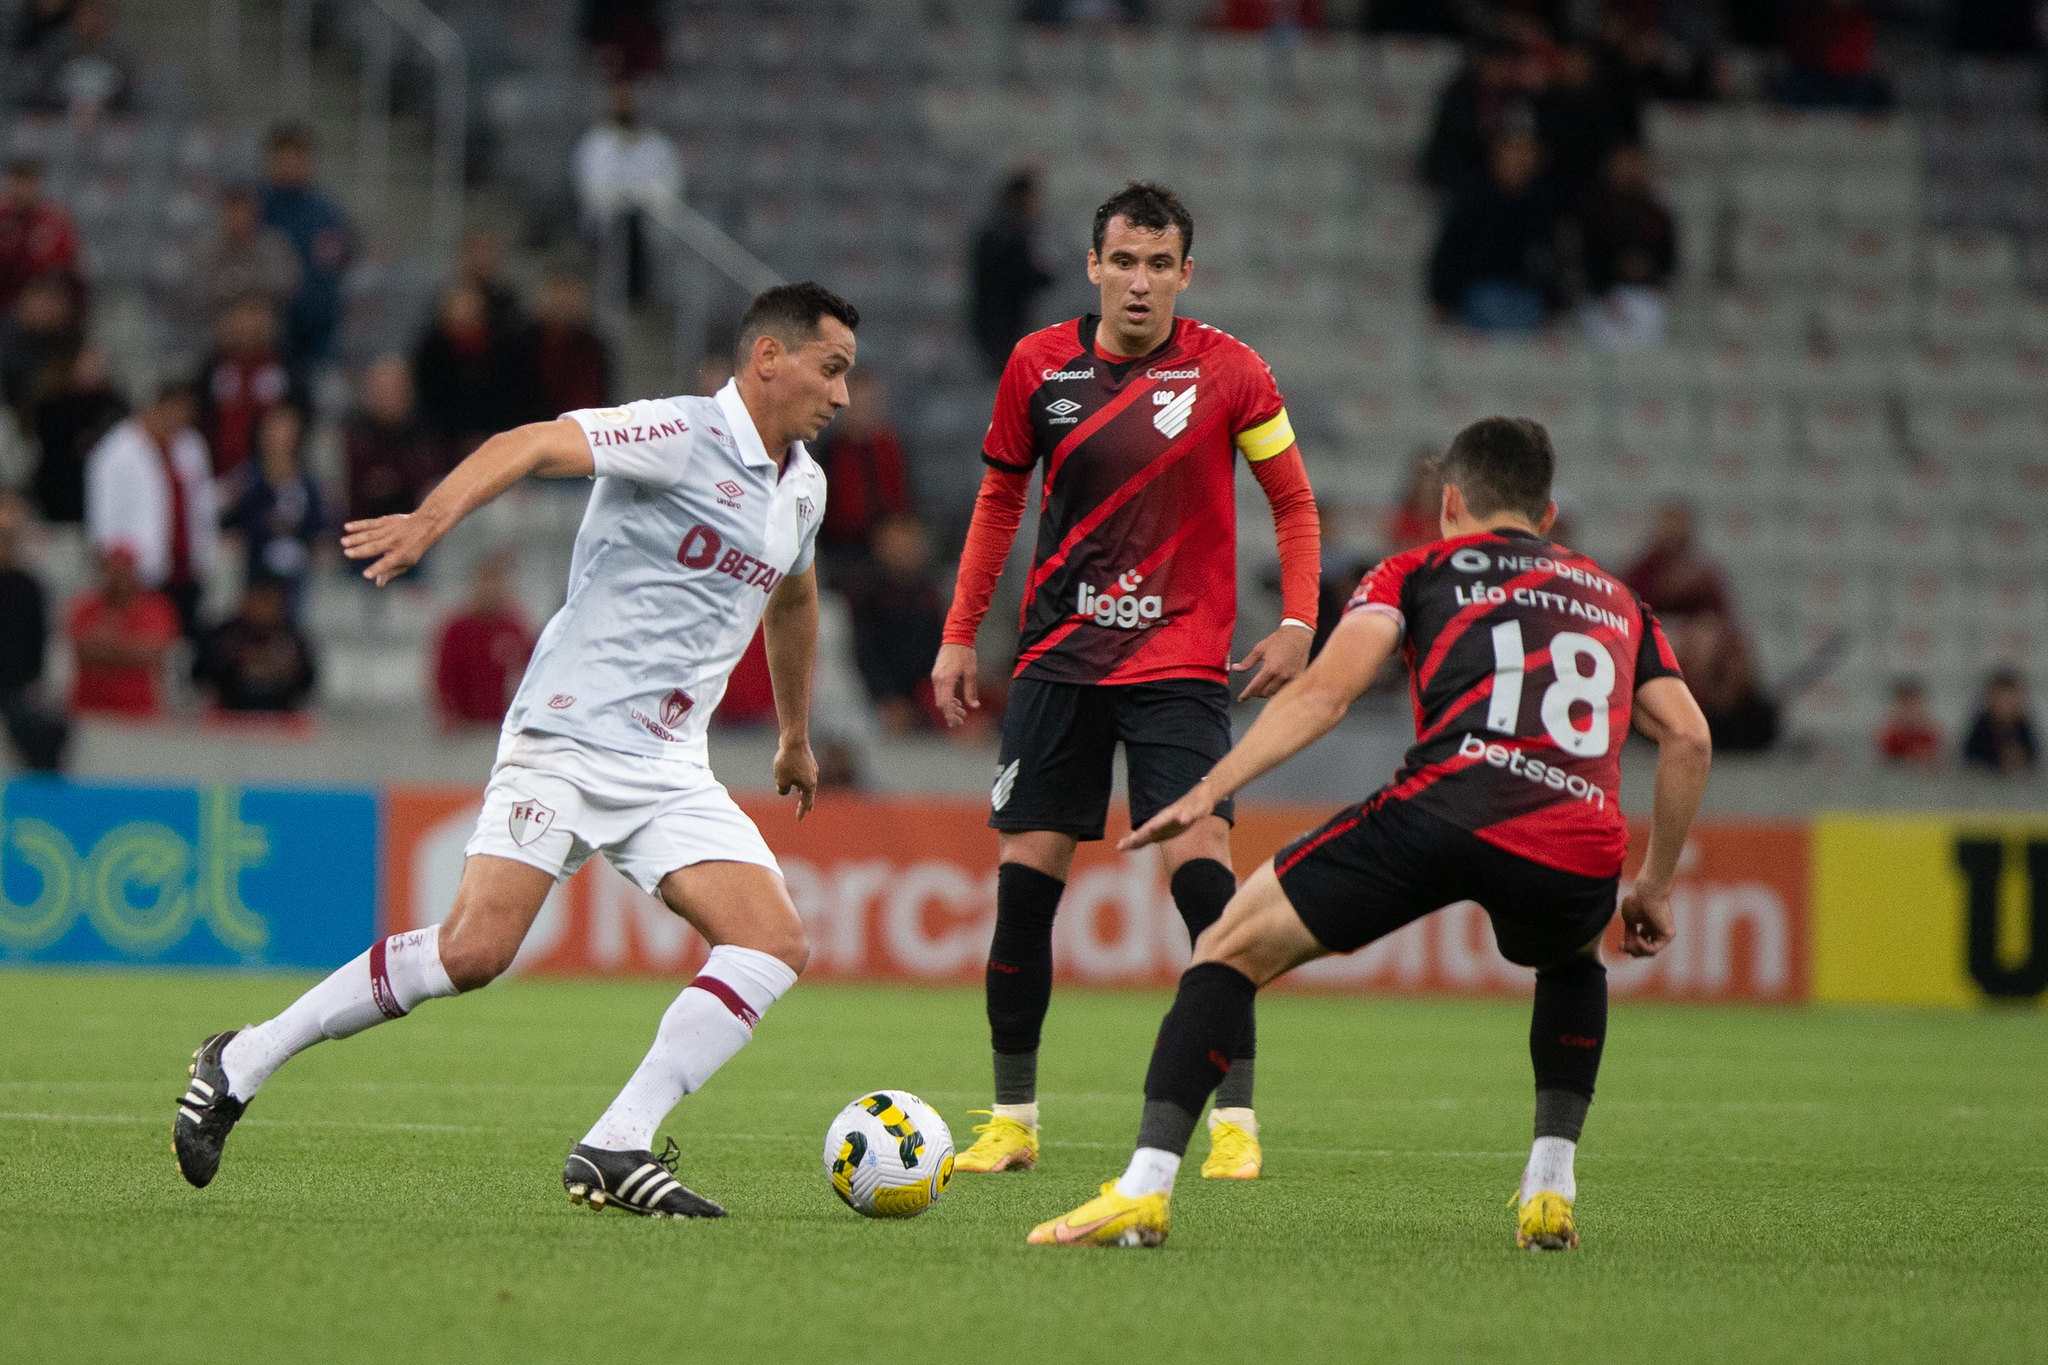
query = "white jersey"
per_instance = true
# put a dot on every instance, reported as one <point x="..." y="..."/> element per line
<point x="688" y="531"/>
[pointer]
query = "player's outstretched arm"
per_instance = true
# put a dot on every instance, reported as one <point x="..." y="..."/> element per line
<point x="1306" y="710"/>
<point x="552" y="450"/>
<point x="1666" y="714"/>
<point x="791" y="626"/>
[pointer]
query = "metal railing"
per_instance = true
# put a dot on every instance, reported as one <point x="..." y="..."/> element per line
<point x="705" y="250"/>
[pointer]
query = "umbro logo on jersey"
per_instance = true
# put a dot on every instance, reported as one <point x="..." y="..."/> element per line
<point x="528" y="821"/>
<point x="731" y="491"/>
<point x="1006" y="782"/>
<point x="1063" y="410"/>
<point x="1172" y="417"/>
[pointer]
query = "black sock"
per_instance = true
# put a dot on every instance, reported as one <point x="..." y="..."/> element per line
<point x="1193" y="1052"/>
<point x="1201" y="888"/>
<point x="1567" y="1030"/>
<point x="1019" y="981"/>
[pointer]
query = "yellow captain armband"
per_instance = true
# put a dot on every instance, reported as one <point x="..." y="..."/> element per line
<point x="1267" y="439"/>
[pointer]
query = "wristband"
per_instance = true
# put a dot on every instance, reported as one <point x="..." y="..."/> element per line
<point x="1290" y="621"/>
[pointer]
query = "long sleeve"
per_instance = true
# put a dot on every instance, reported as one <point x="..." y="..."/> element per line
<point x="1298" y="528"/>
<point x="998" y="512"/>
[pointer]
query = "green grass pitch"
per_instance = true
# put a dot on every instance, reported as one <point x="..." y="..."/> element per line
<point x="1754" y="1185"/>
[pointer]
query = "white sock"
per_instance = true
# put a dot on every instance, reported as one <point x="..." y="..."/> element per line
<point x="1550" y="1168"/>
<point x="1151" y="1172"/>
<point x="384" y="983"/>
<point x="1026" y="1114"/>
<point x="711" y="1020"/>
<point x="1241" y="1117"/>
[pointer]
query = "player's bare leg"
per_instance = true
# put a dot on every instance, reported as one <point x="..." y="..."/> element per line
<point x="1198" y="871"/>
<point x="757" y="950"/>
<point x="1259" y="938"/>
<point x="495" y="906"/>
<point x="1031" y="874"/>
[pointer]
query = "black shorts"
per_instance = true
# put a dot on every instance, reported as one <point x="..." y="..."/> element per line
<point x="1380" y="865"/>
<point x="1059" y="739"/>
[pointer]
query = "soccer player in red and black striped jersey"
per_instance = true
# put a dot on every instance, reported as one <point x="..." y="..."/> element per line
<point x="1134" y="419"/>
<point x="1528" y="665"/>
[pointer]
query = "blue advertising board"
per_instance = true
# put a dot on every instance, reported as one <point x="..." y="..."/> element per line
<point x="195" y="876"/>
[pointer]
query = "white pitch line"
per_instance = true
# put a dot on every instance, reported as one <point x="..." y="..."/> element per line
<point x="259" y="1123"/>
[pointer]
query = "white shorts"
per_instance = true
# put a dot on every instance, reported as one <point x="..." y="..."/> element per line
<point x="553" y="802"/>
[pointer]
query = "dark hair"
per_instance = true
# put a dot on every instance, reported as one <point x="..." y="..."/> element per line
<point x="25" y="167"/>
<point x="791" y="314"/>
<point x="1150" y="206"/>
<point x="2006" y="677"/>
<point x="1502" y="464"/>
<point x="1908" y="687"/>
<point x="295" y="136"/>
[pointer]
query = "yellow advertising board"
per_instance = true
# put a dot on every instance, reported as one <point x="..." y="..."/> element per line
<point x="1930" y="910"/>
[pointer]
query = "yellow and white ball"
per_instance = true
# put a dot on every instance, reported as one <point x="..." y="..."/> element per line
<point x="889" y="1155"/>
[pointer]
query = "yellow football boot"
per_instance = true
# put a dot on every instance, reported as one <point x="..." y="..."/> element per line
<point x="1233" y="1153"/>
<point x="1545" y="1223"/>
<point x="1001" y="1144"/>
<point x="1108" y="1220"/>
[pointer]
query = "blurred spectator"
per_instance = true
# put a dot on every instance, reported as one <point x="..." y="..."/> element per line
<point x="1486" y="100"/>
<point x="1582" y="115"/>
<point x="839" y="767"/>
<point x="469" y="381"/>
<point x="149" y="492"/>
<point x="1741" y="717"/>
<point x="69" y="423"/>
<point x="1265" y="16"/>
<point x="319" y="233"/>
<point x="243" y="378"/>
<point x="39" y="737"/>
<point x="1060" y="13"/>
<point x="1495" y="263"/>
<point x="1007" y="274"/>
<point x="478" y="265"/>
<point x="1995" y="28"/>
<point x="278" y="515"/>
<point x="243" y="259"/>
<point x="574" y="363"/>
<point x="1666" y="51"/>
<point x="41" y="23"/>
<point x="1424" y="18"/>
<point x="392" y="460"/>
<point x="80" y="71"/>
<point x="899" y="618"/>
<point x="482" y="650"/>
<point x="1419" y="518"/>
<point x="1831" y="58"/>
<point x="625" y="35"/>
<point x="1629" y="242"/>
<point x="257" y="659"/>
<point x="1908" y="734"/>
<point x="2001" y="738"/>
<point x="37" y="237"/>
<point x="121" y="631"/>
<point x="865" y="479"/>
<point x="38" y="344"/>
<point x="625" y="171"/>
<point x="1674" y="575"/>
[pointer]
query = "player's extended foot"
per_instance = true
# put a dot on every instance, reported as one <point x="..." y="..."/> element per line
<point x="1108" y="1220"/>
<point x="1003" y="1144"/>
<point x="638" y="1182"/>
<point x="1545" y="1223"/>
<point x="207" y="1113"/>
<point x="1233" y="1153"/>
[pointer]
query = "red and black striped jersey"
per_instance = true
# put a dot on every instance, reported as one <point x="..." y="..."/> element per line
<point x="1134" y="577"/>
<point x="1524" y="658"/>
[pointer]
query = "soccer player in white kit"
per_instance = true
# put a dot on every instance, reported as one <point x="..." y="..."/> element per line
<point x="701" y="524"/>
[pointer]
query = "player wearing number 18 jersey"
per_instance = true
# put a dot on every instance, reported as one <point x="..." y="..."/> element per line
<point x="1528" y="666"/>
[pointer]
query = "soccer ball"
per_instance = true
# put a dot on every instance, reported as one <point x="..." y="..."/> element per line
<point x="889" y="1155"/>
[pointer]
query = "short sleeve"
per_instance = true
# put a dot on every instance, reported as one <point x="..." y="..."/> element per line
<point x="647" y="442"/>
<point x="1258" y="421"/>
<point x="1008" y="444"/>
<point x="814" y="517"/>
<point x="1654" y="656"/>
<point x="1385" y="589"/>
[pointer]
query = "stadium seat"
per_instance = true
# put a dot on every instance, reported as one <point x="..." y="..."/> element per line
<point x="1972" y="260"/>
<point x="1794" y="193"/>
<point x="1866" y="316"/>
<point x="1772" y="252"/>
<point x="1690" y="134"/>
<point x="1967" y="316"/>
<point x="1867" y="196"/>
